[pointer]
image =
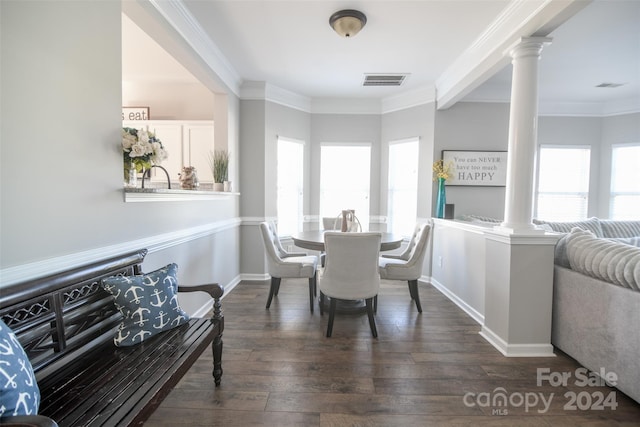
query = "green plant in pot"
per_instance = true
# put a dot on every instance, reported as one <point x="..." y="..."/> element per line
<point x="219" y="163"/>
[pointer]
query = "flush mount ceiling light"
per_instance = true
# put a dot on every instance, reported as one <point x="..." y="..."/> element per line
<point x="347" y="22"/>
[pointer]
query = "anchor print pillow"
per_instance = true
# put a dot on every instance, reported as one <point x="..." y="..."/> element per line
<point x="148" y="303"/>
<point x="19" y="392"/>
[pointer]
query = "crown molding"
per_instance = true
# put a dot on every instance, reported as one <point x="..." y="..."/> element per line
<point x="425" y="95"/>
<point x="179" y="17"/>
<point x="486" y="56"/>
<point x="572" y="109"/>
<point x="621" y="106"/>
<point x="263" y="91"/>
<point x="346" y="106"/>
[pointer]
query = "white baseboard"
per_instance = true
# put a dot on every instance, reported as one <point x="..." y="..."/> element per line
<point x="509" y="350"/>
<point x="203" y="311"/>
<point x="516" y="350"/>
<point x="231" y="285"/>
<point x="206" y="307"/>
<point x="255" y="277"/>
<point x="472" y="312"/>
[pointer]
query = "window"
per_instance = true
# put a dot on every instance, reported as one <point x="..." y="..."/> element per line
<point x="563" y="183"/>
<point x="290" y="170"/>
<point x="402" y="201"/>
<point x="344" y="180"/>
<point x="625" y="182"/>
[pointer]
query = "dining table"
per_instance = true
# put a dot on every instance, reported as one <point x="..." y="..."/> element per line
<point x="314" y="240"/>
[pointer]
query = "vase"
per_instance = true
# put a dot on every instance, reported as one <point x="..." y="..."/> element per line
<point x="442" y="198"/>
<point x="218" y="186"/>
<point x="130" y="177"/>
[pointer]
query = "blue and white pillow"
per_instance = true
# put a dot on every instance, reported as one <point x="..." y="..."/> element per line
<point x="148" y="303"/>
<point x="19" y="392"/>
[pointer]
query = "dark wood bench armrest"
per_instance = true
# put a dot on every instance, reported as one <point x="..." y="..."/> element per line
<point x="28" y="420"/>
<point x="216" y="291"/>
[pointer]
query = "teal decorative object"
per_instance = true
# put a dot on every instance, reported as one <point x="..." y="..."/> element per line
<point x="442" y="198"/>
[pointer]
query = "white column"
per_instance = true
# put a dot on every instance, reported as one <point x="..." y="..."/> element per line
<point x="519" y="257"/>
<point x="523" y="129"/>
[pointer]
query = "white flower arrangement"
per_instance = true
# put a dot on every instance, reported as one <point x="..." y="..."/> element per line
<point x="141" y="149"/>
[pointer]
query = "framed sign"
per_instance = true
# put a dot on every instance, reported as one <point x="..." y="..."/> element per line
<point x="477" y="168"/>
<point x="135" y="113"/>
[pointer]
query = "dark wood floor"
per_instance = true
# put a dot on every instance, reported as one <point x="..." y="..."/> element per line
<point x="280" y="370"/>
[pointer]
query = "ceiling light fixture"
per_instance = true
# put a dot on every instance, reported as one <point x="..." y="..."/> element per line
<point x="347" y="22"/>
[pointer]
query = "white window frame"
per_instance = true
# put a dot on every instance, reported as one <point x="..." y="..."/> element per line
<point x="560" y="195"/>
<point x="288" y="188"/>
<point x="632" y="188"/>
<point x="402" y="192"/>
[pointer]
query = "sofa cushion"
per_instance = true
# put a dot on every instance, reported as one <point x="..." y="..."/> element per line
<point x="591" y="224"/>
<point x="148" y="303"/>
<point x="560" y="253"/>
<point x="19" y="392"/>
<point x="633" y="241"/>
<point x="479" y="219"/>
<point x="604" y="259"/>
<point x="616" y="228"/>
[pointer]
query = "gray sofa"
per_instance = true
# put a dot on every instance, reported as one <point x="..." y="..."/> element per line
<point x="596" y="302"/>
<point x="596" y="297"/>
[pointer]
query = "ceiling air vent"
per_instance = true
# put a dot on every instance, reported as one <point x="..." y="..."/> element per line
<point x="383" y="79"/>
<point x="610" y="85"/>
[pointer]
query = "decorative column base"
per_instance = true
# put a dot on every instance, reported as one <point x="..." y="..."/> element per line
<point x="519" y="293"/>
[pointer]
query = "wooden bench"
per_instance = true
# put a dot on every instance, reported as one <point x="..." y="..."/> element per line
<point x="66" y="323"/>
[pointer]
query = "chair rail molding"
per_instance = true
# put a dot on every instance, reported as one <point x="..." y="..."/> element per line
<point x="11" y="275"/>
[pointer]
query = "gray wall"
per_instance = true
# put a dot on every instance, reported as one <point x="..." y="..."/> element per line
<point x="62" y="170"/>
<point x="623" y="129"/>
<point x="346" y="128"/>
<point x="599" y="133"/>
<point x="473" y="126"/>
<point x="252" y="175"/>
<point x="289" y="123"/>
<point x="485" y="126"/>
<point x="580" y="131"/>
<point x="262" y="123"/>
<point x="408" y="123"/>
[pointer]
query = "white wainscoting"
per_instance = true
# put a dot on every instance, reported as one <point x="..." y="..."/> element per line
<point x="30" y="271"/>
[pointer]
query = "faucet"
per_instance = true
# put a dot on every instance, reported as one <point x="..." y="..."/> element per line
<point x="147" y="173"/>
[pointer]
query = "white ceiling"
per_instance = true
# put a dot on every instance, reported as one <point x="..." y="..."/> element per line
<point x="600" y="44"/>
<point x="290" y="45"/>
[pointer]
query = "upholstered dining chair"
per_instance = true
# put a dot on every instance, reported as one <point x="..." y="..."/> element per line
<point x="331" y="223"/>
<point x="350" y="272"/>
<point x="279" y="248"/>
<point x="289" y="266"/>
<point x="408" y="265"/>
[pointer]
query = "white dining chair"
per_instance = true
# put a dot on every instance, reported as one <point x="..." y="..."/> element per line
<point x="408" y="265"/>
<point x="331" y="223"/>
<point x="350" y="272"/>
<point x="290" y="266"/>
<point x="282" y="252"/>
